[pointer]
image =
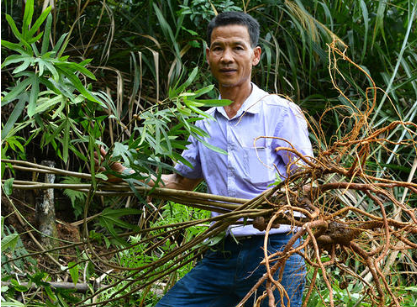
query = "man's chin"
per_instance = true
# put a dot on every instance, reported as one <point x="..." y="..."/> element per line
<point x="227" y="84"/>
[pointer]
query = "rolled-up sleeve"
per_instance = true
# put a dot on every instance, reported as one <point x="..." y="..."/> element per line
<point x="292" y="132"/>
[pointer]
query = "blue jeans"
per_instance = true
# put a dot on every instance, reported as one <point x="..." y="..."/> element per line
<point x="226" y="275"/>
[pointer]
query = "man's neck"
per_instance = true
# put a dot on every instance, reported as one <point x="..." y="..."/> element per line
<point x="236" y="94"/>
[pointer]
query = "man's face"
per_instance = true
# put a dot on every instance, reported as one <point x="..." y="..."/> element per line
<point x="231" y="56"/>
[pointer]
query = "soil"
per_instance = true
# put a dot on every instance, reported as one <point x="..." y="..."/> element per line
<point x="25" y="203"/>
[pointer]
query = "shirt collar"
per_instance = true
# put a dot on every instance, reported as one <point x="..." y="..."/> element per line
<point x="251" y="105"/>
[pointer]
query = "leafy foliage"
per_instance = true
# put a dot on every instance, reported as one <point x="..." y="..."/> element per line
<point x="132" y="74"/>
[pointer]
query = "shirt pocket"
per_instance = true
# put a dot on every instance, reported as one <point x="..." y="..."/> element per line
<point x="258" y="165"/>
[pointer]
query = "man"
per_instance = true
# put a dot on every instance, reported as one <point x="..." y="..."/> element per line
<point x="226" y="275"/>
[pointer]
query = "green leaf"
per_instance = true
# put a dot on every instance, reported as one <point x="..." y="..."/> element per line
<point x="15" y="143"/>
<point x="33" y="97"/>
<point x="413" y="289"/>
<point x="110" y="218"/>
<point x="167" y="30"/>
<point x="78" y="85"/>
<point x="47" y="63"/>
<point x="191" y="77"/>
<point x="23" y="66"/>
<point x="47" y="102"/>
<point x="215" y="102"/>
<point x="14" y="47"/>
<point x="66" y="141"/>
<point x="196" y="131"/>
<point x="13" y="303"/>
<point x="15" y="58"/>
<point x="192" y="102"/>
<point x="204" y="90"/>
<point x="39" y="22"/>
<point x="209" y="146"/>
<point x="34" y="40"/>
<point x="73" y="270"/>
<point x="84" y="70"/>
<point x="198" y="111"/>
<point x="16" y="91"/>
<point x="59" y="43"/>
<point x="121" y="150"/>
<point x="45" y="41"/>
<point x="9" y="241"/>
<point x="50" y="293"/>
<point x="17" y="111"/>
<point x="102" y="177"/>
<point x="182" y="109"/>
<point x="27" y="18"/>
<point x="14" y="28"/>
<point x="366" y="24"/>
<point x="379" y="23"/>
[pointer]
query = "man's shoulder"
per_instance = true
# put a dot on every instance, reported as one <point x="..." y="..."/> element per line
<point x="271" y="100"/>
<point x="275" y="101"/>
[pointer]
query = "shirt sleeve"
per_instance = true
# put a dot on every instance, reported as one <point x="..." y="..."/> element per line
<point x="292" y="131"/>
<point x="192" y="155"/>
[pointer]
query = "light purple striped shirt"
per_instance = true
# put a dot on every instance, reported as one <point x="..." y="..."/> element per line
<point x="248" y="168"/>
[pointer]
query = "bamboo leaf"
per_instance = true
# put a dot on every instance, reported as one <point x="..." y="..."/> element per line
<point x="73" y="269"/>
<point x="34" y="40"/>
<point x="59" y="43"/>
<point x="23" y="66"/>
<point x="379" y="23"/>
<point x="27" y="18"/>
<point x="188" y="82"/>
<point x="50" y="67"/>
<point x="203" y="90"/>
<point x="166" y="29"/>
<point x="16" y="91"/>
<point x="13" y="303"/>
<point x="111" y="217"/>
<point x="215" y="102"/>
<point x="77" y="84"/>
<point x="33" y="97"/>
<point x="14" y="47"/>
<point x="83" y="70"/>
<point x="14" y="28"/>
<point x="366" y="24"/>
<point x="47" y="102"/>
<point x="198" y="111"/>
<point x="17" y="111"/>
<point x="209" y="146"/>
<point x="9" y="241"/>
<point x="66" y="140"/>
<point x="15" y="58"/>
<point x="45" y="41"/>
<point x="39" y="22"/>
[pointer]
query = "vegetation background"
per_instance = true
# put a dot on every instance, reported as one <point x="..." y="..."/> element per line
<point x="132" y="75"/>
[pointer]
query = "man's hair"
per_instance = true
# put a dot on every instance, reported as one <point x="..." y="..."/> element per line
<point x="235" y="18"/>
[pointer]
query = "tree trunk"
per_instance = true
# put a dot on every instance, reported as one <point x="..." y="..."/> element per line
<point x="45" y="211"/>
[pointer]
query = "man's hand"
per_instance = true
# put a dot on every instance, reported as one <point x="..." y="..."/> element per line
<point x="170" y="181"/>
<point x="115" y="166"/>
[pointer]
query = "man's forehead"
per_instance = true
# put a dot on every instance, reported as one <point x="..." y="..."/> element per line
<point x="234" y="33"/>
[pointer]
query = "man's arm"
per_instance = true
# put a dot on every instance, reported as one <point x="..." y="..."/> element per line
<point x="170" y="181"/>
<point x="178" y="182"/>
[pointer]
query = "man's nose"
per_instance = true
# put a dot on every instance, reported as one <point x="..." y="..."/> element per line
<point x="227" y="55"/>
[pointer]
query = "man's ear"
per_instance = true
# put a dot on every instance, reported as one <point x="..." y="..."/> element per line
<point x="256" y="55"/>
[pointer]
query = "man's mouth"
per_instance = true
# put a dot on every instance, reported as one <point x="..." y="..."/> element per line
<point x="227" y="70"/>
